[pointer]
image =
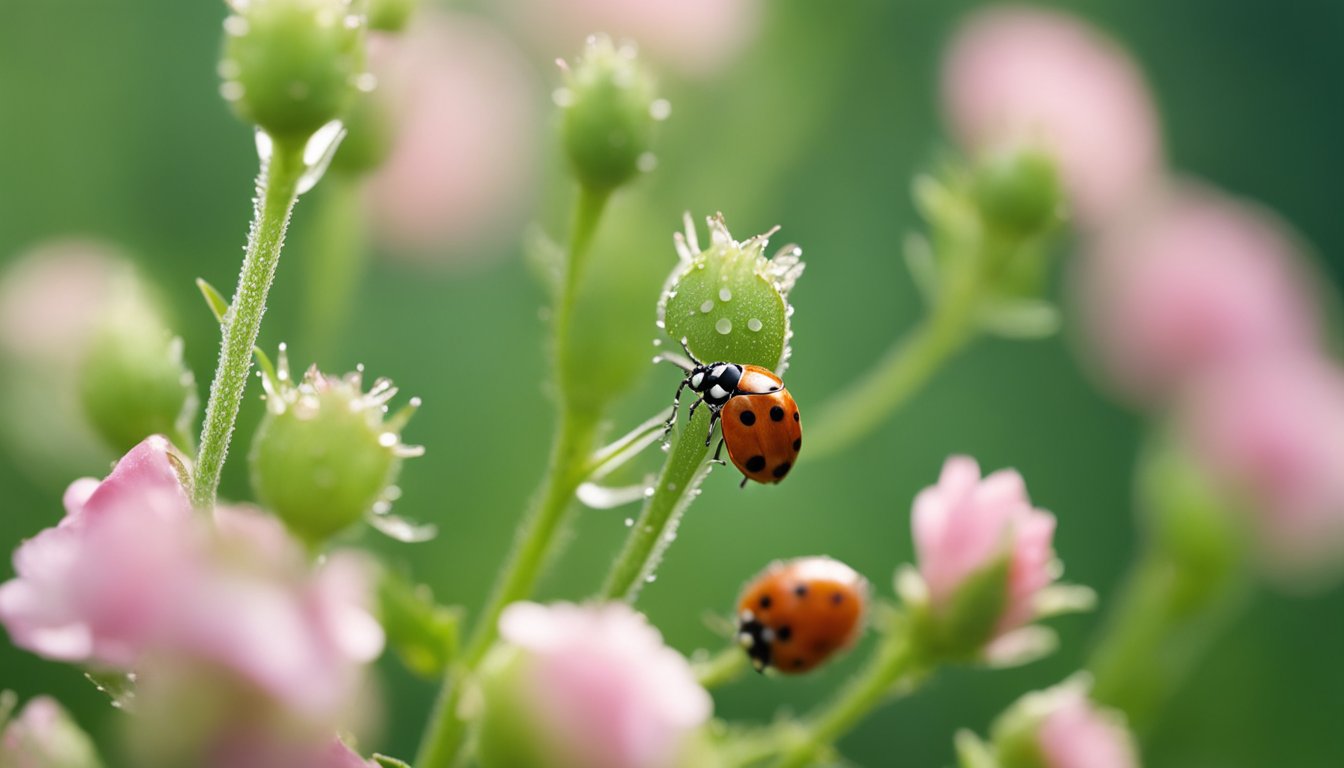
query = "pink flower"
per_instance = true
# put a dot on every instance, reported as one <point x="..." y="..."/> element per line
<point x="1198" y="282"/>
<point x="462" y="165"/>
<point x="603" y="688"/>
<point x="697" y="37"/>
<point x="1075" y="734"/>
<point x="964" y="526"/>
<point x="134" y="579"/>
<point x="1272" y="435"/>
<point x="263" y="750"/>
<point x="1015" y="74"/>
<point x="44" y="736"/>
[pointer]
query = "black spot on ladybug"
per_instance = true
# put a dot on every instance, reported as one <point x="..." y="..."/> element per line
<point x="755" y="463"/>
<point x="748" y="418"/>
<point x="837" y="598"/>
<point x="800" y="590"/>
<point x="797" y="663"/>
<point x="784" y="633"/>
<point x="798" y="445"/>
<point x="765" y="602"/>
<point x="776" y="413"/>
<point x="782" y="469"/>
<point x="795" y="416"/>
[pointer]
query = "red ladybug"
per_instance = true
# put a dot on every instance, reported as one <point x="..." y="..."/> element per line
<point x="797" y="614"/>
<point x="758" y="416"/>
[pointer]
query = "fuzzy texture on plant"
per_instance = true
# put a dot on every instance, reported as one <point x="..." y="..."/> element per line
<point x="599" y="686"/>
<point x="984" y="552"/>
<point x="1272" y="436"/>
<point x="1018" y="74"/>
<point x="132" y="577"/>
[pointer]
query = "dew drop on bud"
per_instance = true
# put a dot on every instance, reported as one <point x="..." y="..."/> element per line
<point x="660" y="109"/>
<point x="708" y="306"/>
<point x="725" y="294"/>
<point x="724" y="326"/>
<point x="754" y="325"/>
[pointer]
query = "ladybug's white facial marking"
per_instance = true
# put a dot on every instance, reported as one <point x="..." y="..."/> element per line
<point x="718" y="393"/>
<point x="697" y="379"/>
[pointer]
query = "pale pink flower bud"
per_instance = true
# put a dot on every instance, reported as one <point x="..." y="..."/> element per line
<point x="1018" y="74"/>
<point x="1197" y="282"/>
<point x="464" y="114"/>
<point x="598" y="687"/>
<point x="978" y="536"/>
<point x="696" y="37"/>
<point x="1074" y="733"/>
<point x="42" y="735"/>
<point x="1272" y="436"/>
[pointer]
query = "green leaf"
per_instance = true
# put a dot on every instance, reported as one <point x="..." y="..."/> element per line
<point x="423" y="633"/>
<point x="213" y="299"/>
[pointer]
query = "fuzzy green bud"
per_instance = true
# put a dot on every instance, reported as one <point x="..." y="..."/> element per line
<point x="133" y="381"/>
<point x="390" y="15"/>
<point x="729" y="302"/>
<point x="291" y="66"/>
<point x="323" y="457"/>
<point x="959" y="630"/>
<point x="1018" y="191"/>
<point x="608" y="112"/>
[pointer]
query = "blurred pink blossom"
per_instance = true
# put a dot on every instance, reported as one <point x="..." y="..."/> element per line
<point x="965" y="525"/>
<point x="1016" y="73"/>
<point x="132" y="577"/>
<point x="464" y="110"/>
<point x="1195" y="282"/>
<point x="42" y="735"/>
<point x="1272" y="433"/>
<point x="696" y="37"/>
<point x="1075" y="734"/>
<point x="606" y="691"/>
<point x="264" y="751"/>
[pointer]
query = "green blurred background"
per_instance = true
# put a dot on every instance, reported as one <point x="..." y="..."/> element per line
<point x="112" y="127"/>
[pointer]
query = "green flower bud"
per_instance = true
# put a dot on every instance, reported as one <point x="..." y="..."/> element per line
<point x="961" y="629"/>
<point x="368" y="135"/>
<point x="133" y="381"/>
<point x="291" y="66"/>
<point x="390" y="15"/>
<point x="1053" y="728"/>
<point x="1018" y="192"/>
<point x="729" y="302"/>
<point x="323" y="457"/>
<point x="608" y="111"/>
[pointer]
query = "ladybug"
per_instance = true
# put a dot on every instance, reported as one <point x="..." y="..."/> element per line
<point x="758" y="417"/>
<point x="796" y="614"/>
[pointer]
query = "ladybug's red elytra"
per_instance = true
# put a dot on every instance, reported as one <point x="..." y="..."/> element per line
<point x="758" y="417"/>
<point x="797" y="614"/>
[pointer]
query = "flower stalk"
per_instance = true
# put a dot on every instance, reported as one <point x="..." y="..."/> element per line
<point x="277" y="191"/>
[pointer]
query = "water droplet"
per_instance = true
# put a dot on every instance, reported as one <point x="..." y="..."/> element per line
<point x="754" y="325"/>
<point x="725" y="294"/>
<point x="236" y="26"/>
<point x="666" y="447"/>
<point x="660" y="109"/>
<point x="724" y="326"/>
<point x="652" y="577"/>
<point x="646" y="162"/>
<point x="366" y="82"/>
<point x="387" y="439"/>
<point x="231" y="90"/>
<point x="708" y="306"/>
<point x="648" y="492"/>
<point x="629" y="522"/>
<point x="657" y="342"/>
<point x="352" y="22"/>
<point x="660" y="325"/>
<point x="228" y="69"/>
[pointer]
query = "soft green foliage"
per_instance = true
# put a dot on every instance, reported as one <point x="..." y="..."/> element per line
<point x="390" y="15"/>
<point x="134" y="382"/>
<point x="607" y="119"/>
<point x="291" y="66"/>
<point x="423" y="633"/>
<point x="1018" y="191"/>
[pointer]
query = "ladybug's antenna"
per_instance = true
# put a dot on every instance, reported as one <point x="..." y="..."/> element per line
<point x="678" y="360"/>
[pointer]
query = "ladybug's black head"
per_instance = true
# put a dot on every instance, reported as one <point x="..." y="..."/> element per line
<point x="715" y="382"/>
<point x="754" y="638"/>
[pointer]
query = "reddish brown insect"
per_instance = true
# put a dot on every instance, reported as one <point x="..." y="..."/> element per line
<point x="797" y="614"/>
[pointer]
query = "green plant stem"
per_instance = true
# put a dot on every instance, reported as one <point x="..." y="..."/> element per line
<point x="722" y="668"/>
<point x="335" y="262"/>
<point x="906" y="367"/>
<point x="575" y="439"/>
<point x="677" y="486"/>
<point x="895" y="661"/>
<point x="1157" y="631"/>
<point x="277" y="190"/>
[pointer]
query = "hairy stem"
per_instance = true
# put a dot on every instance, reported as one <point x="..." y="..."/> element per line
<point x="575" y="439"/>
<point x="277" y="189"/>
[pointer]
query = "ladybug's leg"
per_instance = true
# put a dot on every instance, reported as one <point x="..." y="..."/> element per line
<point x="687" y="350"/>
<point x="718" y="451"/>
<point x="676" y="403"/>
<point x="743" y="484"/>
<point x="713" y="417"/>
